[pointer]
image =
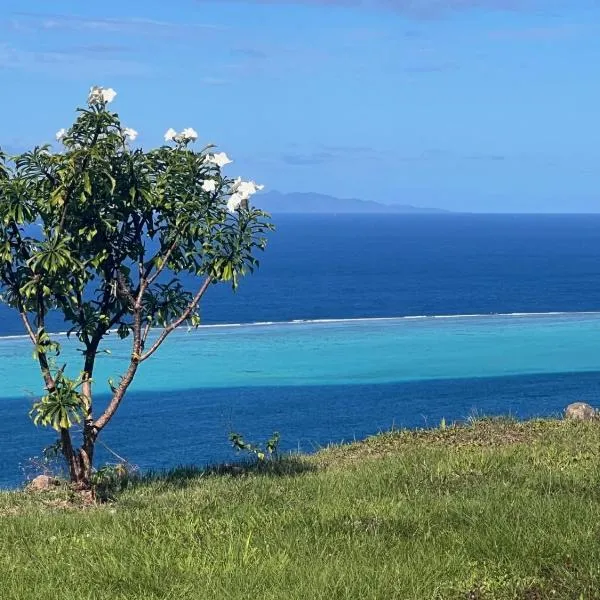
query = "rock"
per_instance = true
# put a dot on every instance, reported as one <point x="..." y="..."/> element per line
<point x="42" y="483"/>
<point x="580" y="411"/>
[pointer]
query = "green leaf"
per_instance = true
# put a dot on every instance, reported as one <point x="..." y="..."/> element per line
<point x="87" y="186"/>
<point x="62" y="407"/>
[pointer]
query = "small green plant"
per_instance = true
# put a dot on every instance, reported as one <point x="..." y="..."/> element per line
<point x="108" y="481"/>
<point x="269" y="451"/>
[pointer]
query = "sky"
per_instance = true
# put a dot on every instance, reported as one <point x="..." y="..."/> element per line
<point x="469" y="105"/>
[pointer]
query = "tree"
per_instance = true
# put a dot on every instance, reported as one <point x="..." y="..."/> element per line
<point x="102" y="233"/>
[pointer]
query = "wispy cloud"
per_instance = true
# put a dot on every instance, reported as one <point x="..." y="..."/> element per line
<point x="350" y="150"/>
<point x="98" y="51"/>
<point x="129" y="26"/>
<point x="311" y="158"/>
<point x="71" y="62"/>
<point x="83" y="45"/>
<point x="325" y="154"/>
<point x="424" y="9"/>
<point x="433" y="154"/>
<point x="486" y="157"/>
<point x="249" y="53"/>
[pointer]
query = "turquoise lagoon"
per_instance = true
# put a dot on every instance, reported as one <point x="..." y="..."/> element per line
<point x="334" y="352"/>
<point x="316" y="382"/>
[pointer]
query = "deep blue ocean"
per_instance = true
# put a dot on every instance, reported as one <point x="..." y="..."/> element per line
<point x="332" y="357"/>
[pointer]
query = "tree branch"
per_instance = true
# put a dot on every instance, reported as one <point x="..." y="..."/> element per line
<point x="127" y="378"/>
<point x="177" y="322"/>
<point x="165" y="259"/>
<point x="27" y="324"/>
<point x="146" y="332"/>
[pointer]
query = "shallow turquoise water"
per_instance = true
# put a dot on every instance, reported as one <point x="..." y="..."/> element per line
<point x="316" y="383"/>
<point x="332" y="353"/>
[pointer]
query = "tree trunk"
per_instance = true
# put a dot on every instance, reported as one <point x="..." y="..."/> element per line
<point x="79" y="460"/>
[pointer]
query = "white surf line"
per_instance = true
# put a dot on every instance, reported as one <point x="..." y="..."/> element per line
<point x="356" y="320"/>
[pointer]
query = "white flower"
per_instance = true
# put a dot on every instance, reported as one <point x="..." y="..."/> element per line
<point x="247" y="188"/>
<point x="170" y="134"/>
<point x="108" y="95"/>
<point x="60" y="134"/>
<point x="130" y="133"/>
<point x="220" y="159"/>
<point x="189" y="134"/>
<point x="234" y="202"/>
<point x="209" y="185"/>
<point x="100" y="95"/>
<point x="95" y="95"/>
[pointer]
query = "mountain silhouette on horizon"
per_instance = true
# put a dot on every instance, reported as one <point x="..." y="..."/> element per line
<point x="310" y="202"/>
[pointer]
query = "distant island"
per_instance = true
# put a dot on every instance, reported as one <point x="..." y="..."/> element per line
<point x="308" y="202"/>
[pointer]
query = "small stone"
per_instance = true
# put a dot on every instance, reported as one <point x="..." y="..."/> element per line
<point x="42" y="483"/>
<point x="580" y="411"/>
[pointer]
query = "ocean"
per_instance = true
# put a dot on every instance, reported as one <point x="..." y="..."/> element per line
<point x="352" y="325"/>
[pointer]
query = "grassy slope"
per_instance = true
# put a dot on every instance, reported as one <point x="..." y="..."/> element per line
<point x="492" y="510"/>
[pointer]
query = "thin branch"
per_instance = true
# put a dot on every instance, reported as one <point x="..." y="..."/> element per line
<point x="146" y="332"/>
<point x="163" y="264"/>
<point x="146" y="280"/>
<point x="28" y="327"/>
<point x="86" y="337"/>
<point x="125" y="290"/>
<point x="127" y="378"/>
<point x="115" y="401"/>
<point x="177" y="322"/>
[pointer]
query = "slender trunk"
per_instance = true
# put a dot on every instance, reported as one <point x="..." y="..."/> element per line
<point x="81" y="460"/>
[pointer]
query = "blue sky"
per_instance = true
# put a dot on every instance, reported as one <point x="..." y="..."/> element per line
<point x="479" y="105"/>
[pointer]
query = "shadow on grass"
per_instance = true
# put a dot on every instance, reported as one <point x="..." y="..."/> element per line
<point x="183" y="476"/>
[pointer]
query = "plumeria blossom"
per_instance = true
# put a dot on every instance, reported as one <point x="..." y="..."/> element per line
<point x="108" y="95"/>
<point x="242" y="190"/>
<point x="189" y="134"/>
<point x="209" y="185"/>
<point x="247" y="188"/>
<point x="130" y="133"/>
<point x="170" y="135"/>
<point x="95" y="95"/>
<point x="220" y="159"/>
<point x="60" y="134"/>
<point x="100" y="95"/>
<point x="234" y="202"/>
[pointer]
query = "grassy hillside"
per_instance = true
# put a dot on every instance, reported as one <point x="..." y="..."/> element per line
<point x="495" y="509"/>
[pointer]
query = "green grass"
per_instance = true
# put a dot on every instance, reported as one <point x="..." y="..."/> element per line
<point x="493" y="509"/>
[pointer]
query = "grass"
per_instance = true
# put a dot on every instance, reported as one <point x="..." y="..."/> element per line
<point x="492" y="509"/>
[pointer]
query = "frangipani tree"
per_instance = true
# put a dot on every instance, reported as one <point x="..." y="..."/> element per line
<point x="114" y="229"/>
